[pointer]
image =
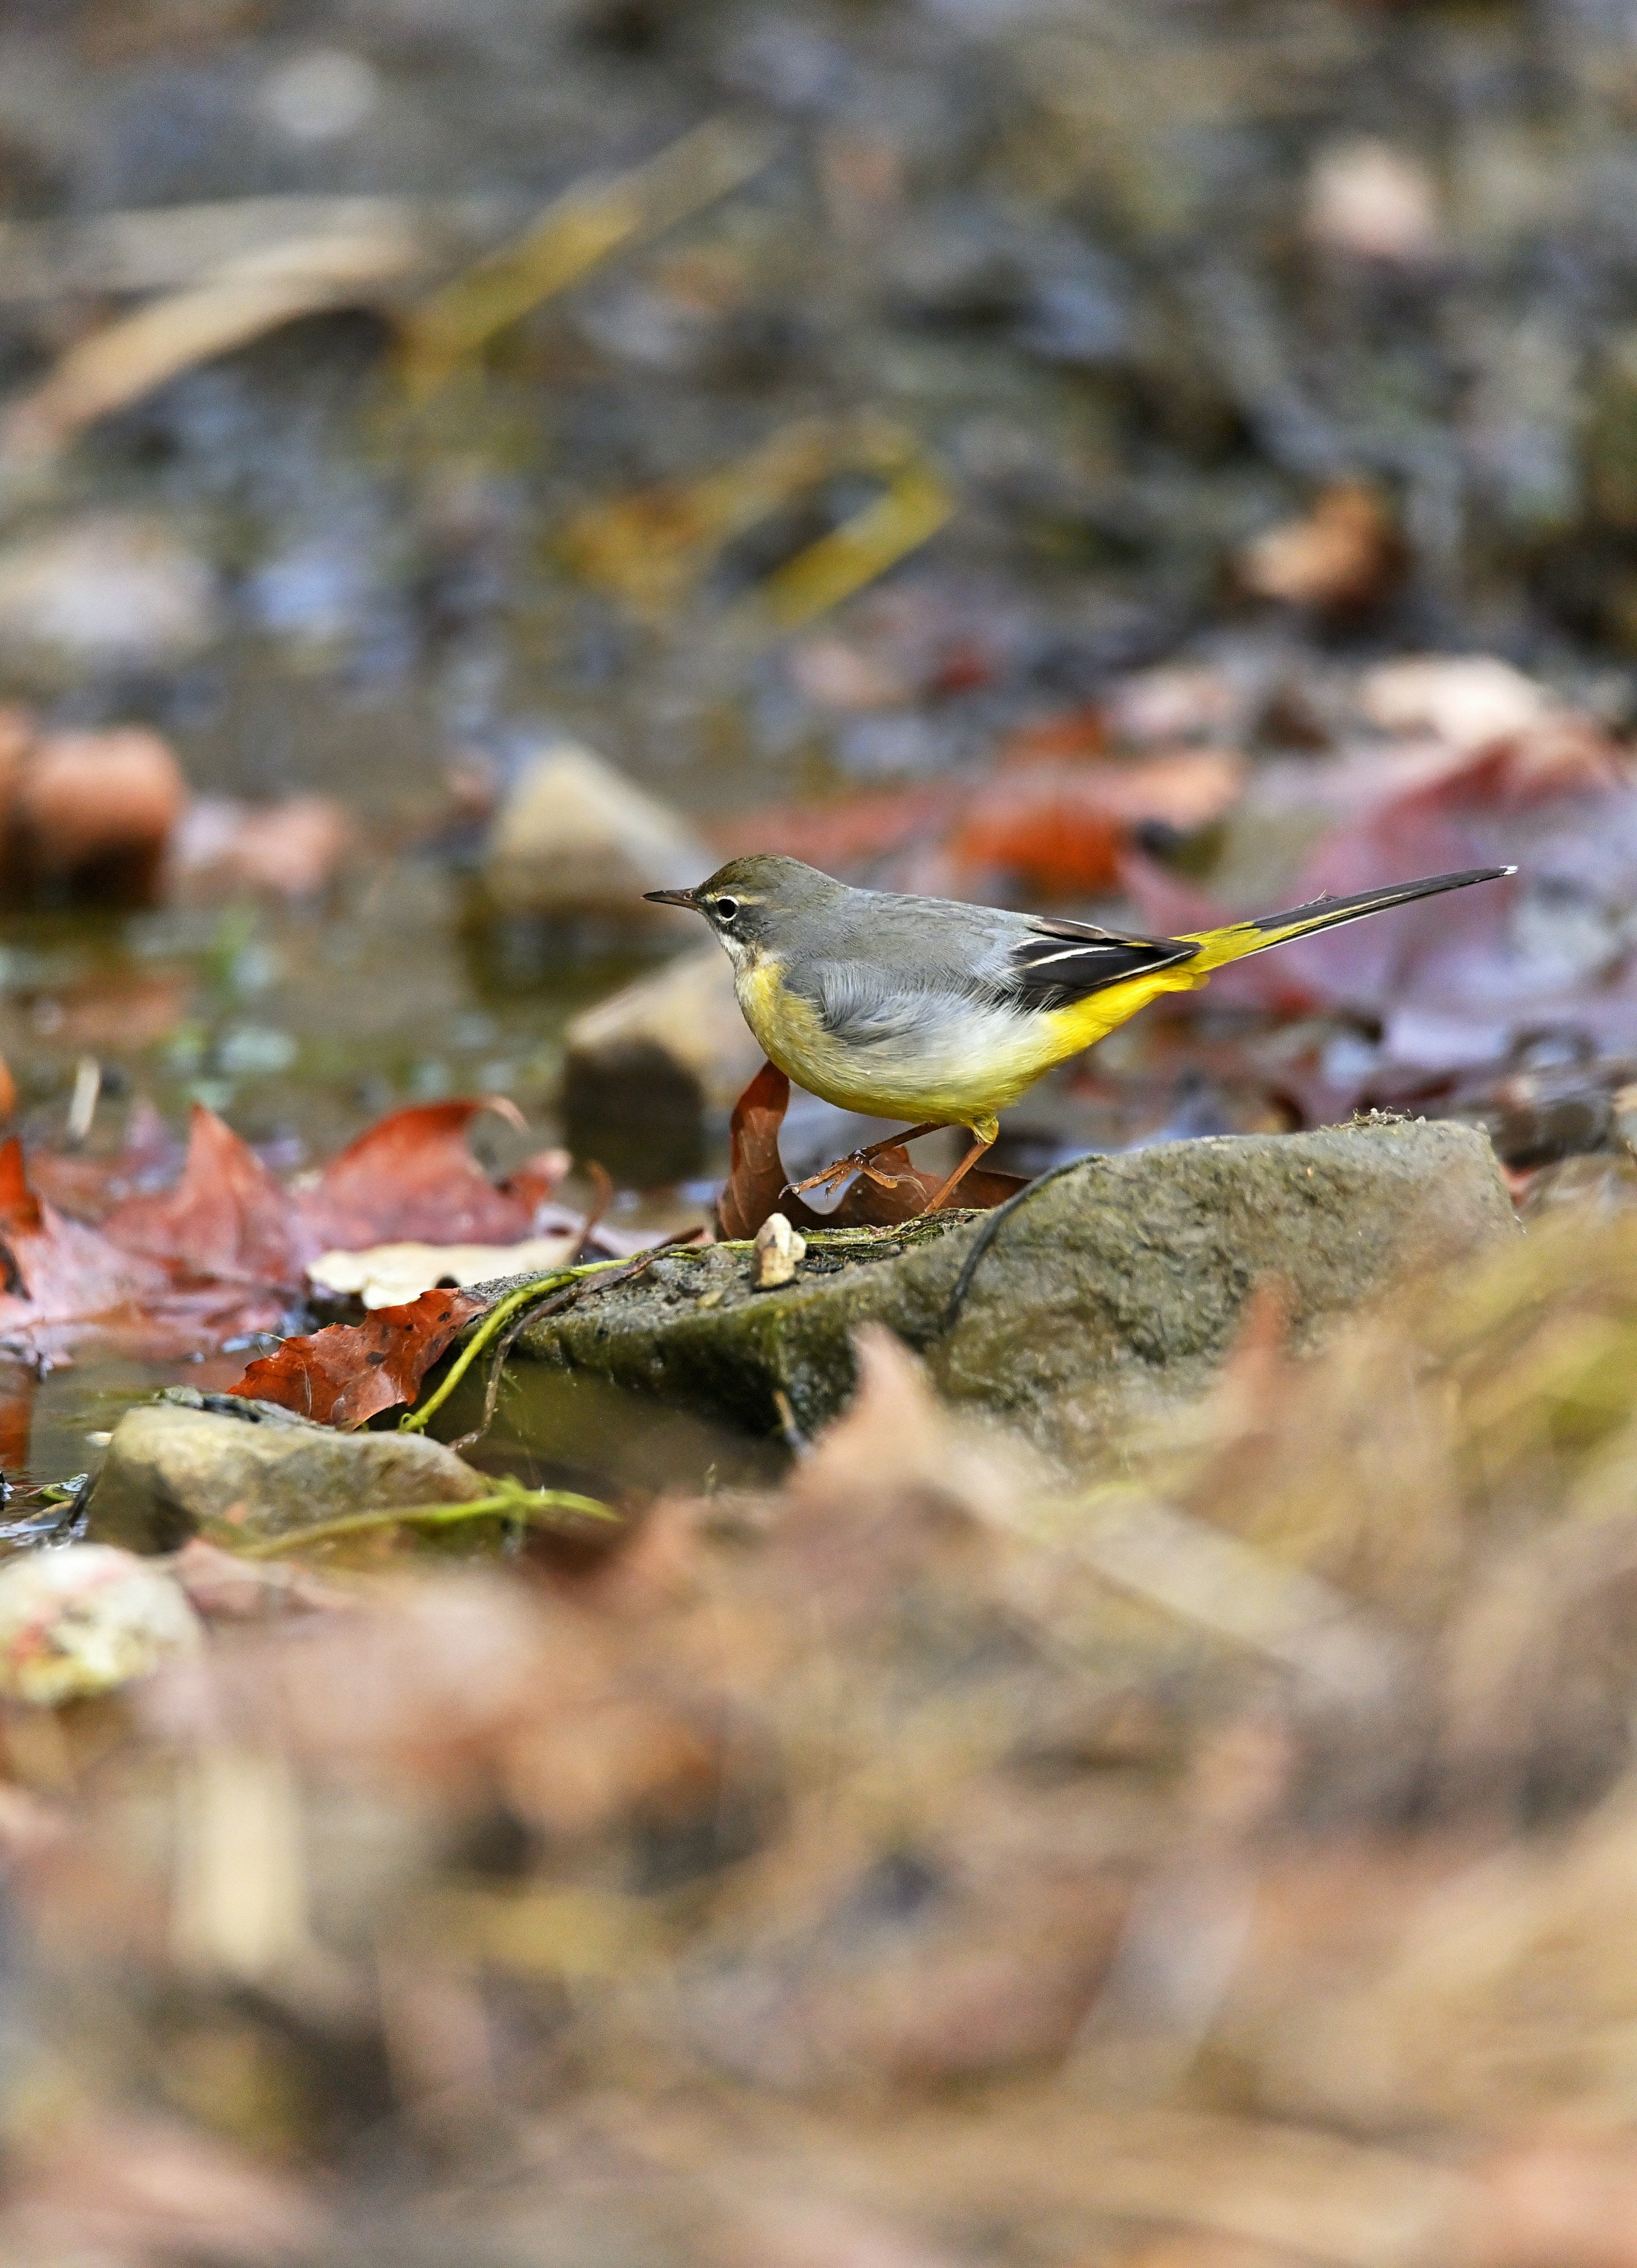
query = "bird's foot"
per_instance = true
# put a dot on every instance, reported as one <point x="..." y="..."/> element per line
<point x="858" y="1161"/>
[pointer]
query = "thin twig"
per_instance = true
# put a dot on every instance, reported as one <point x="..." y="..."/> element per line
<point x="505" y="1341"/>
<point x="524" y="1304"/>
<point x="510" y="1501"/>
<point x="602" y="1197"/>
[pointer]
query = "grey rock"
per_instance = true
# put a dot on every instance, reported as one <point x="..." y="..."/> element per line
<point x="1110" y="1291"/>
<point x="575" y="838"/>
<point x="171" y="1467"/>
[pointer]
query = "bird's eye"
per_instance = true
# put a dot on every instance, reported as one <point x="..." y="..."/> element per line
<point x="727" y="909"/>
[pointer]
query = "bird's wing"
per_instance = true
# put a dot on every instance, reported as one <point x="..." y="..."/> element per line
<point x="863" y="1006"/>
<point x="1021" y="964"/>
<point x="1054" y="962"/>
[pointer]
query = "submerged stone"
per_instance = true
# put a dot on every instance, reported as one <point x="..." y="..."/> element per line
<point x="1110" y="1290"/>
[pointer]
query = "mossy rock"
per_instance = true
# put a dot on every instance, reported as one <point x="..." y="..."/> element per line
<point x="1114" y="1288"/>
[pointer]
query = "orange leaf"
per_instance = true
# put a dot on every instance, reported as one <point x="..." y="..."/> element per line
<point x="413" y="1180"/>
<point x="227" y="1218"/>
<point x="345" y="1374"/>
<point x="756" y="1179"/>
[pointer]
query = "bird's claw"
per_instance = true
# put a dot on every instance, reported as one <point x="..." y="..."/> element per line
<point x="859" y="1161"/>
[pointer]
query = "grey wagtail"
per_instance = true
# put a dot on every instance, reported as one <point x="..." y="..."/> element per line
<point x="926" y="1009"/>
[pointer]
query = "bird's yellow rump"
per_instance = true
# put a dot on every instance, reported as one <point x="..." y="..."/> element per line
<point x="929" y="1010"/>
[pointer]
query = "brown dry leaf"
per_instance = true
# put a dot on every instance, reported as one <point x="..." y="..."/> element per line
<point x="344" y="1375"/>
<point x="1342" y="558"/>
<point x="854" y="830"/>
<point x="227" y="1221"/>
<point x="85" y="1187"/>
<point x="756" y="1177"/>
<point x="58" y="1270"/>
<point x="1060" y="827"/>
<point x="413" y="1179"/>
<point x="756" y="1185"/>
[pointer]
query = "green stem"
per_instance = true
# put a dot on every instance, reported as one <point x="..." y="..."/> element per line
<point x="509" y="1500"/>
<point x="415" y="1421"/>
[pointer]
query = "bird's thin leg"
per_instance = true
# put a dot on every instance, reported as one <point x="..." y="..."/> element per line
<point x="859" y="1161"/>
<point x="981" y="1143"/>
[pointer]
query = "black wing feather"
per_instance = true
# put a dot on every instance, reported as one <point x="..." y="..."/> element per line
<point x="1066" y="960"/>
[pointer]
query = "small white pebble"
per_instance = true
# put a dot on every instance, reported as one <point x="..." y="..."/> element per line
<point x="779" y="1251"/>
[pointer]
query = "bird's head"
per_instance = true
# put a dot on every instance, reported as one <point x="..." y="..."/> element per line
<point x="750" y="902"/>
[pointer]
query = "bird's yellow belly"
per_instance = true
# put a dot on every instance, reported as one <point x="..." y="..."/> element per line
<point x="968" y="1063"/>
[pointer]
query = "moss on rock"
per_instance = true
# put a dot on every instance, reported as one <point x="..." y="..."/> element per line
<point x="1116" y="1286"/>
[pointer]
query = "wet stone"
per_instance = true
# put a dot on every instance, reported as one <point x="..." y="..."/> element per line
<point x="177" y="1465"/>
<point x="1112" y="1291"/>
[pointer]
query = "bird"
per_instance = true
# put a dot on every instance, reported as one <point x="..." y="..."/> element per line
<point x="930" y="1010"/>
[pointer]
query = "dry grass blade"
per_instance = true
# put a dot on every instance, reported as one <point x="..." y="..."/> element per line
<point x="571" y="237"/>
<point x="164" y="247"/>
<point x="916" y="503"/>
<point x="119" y="363"/>
<point x="653" y="549"/>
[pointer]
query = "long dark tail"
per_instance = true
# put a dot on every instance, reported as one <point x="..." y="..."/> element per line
<point x="1220" y="946"/>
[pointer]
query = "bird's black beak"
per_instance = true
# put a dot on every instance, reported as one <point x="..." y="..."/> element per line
<point x="689" y="898"/>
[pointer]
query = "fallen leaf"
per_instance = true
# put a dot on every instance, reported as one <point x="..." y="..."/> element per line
<point x="1055" y="739"/>
<point x="19" y="1386"/>
<point x="1044" y="820"/>
<point x="1063" y="827"/>
<point x="756" y="1185"/>
<point x="388" y="1275"/>
<point x="344" y="1375"/>
<point x="413" y="1178"/>
<point x="59" y="1270"/>
<point x="227" y="1220"/>
<point x="87" y="1188"/>
<point x="1341" y="558"/>
<point x="1454" y="976"/>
